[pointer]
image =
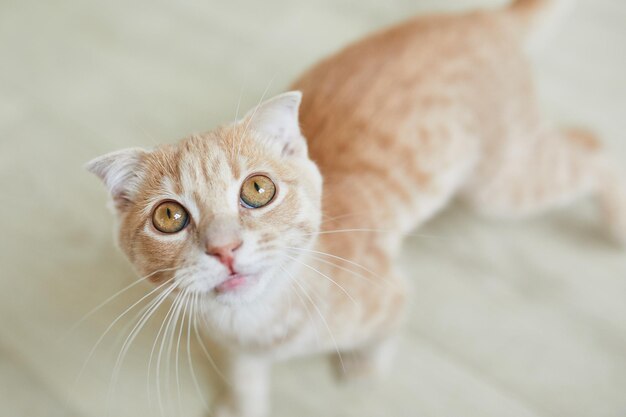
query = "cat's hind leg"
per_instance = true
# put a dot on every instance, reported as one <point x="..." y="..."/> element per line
<point x="549" y="169"/>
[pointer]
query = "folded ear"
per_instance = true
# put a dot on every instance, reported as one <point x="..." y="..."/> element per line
<point x="120" y="173"/>
<point x="277" y="118"/>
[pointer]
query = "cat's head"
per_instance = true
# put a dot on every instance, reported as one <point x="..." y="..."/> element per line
<point x="226" y="213"/>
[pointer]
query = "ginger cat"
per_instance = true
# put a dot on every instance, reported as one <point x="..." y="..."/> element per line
<point x="236" y="225"/>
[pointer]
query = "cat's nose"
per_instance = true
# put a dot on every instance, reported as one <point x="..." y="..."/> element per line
<point x="225" y="253"/>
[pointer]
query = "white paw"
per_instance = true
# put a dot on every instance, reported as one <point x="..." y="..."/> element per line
<point x="367" y="364"/>
<point x="224" y="409"/>
<point x="617" y="221"/>
<point x="227" y="409"/>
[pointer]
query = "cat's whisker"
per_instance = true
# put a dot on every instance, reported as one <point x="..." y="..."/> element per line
<point x="147" y="134"/>
<point x="243" y="135"/>
<point x="111" y="298"/>
<point x="222" y="318"/>
<point x="365" y="230"/>
<point x="120" y="338"/>
<point x="192" y="317"/>
<point x="287" y="316"/>
<point x="369" y="280"/>
<point x="146" y="311"/>
<point x="379" y="282"/>
<point x="180" y="334"/>
<point x="153" y="306"/>
<point x="267" y="247"/>
<point x="306" y="307"/>
<point x="343" y="216"/>
<point x="146" y="314"/>
<point x="108" y="329"/>
<point x="170" y="348"/>
<point x="335" y="257"/>
<point x="206" y="352"/>
<point x="239" y="103"/>
<point x="319" y="312"/>
<point x="203" y="317"/>
<point x="154" y="344"/>
<point x="153" y="349"/>
<point x="168" y="321"/>
<point x="325" y="276"/>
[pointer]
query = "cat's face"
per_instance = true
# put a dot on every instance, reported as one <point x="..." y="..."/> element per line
<point x="224" y="214"/>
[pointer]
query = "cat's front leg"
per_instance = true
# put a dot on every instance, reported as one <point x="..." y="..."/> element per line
<point x="371" y="361"/>
<point x="246" y="392"/>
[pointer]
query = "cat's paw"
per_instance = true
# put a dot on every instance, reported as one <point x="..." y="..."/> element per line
<point x="368" y="364"/>
<point x="616" y="216"/>
<point x="619" y="235"/>
<point x="351" y="369"/>
<point x="222" y="412"/>
<point x="224" y="408"/>
<point x="228" y="409"/>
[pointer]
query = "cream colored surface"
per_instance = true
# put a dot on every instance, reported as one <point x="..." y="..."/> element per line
<point x="507" y="319"/>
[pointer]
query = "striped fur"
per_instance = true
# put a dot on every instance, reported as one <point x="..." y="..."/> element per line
<point x="398" y="124"/>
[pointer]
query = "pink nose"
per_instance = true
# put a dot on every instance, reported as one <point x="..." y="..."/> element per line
<point x="224" y="253"/>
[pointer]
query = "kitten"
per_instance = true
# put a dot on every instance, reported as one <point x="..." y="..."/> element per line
<point x="397" y="125"/>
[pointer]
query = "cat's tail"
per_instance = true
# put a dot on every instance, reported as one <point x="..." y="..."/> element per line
<point x="537" y="18"/>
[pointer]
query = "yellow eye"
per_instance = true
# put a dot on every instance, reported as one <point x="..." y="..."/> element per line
<point x="170" y="217"/>
<point x="257" y="191"/>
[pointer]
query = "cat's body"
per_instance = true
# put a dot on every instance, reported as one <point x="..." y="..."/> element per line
<point x="398" y="124"/>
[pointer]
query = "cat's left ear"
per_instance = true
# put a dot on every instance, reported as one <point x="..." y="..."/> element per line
<point x="277" y="118"/>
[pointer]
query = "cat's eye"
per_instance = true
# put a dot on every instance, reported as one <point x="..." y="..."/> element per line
<point x="170" y="217"/>
<point x="257" y="191"/>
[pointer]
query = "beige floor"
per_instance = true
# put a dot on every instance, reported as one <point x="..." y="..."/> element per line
<point x="523" y="319"/>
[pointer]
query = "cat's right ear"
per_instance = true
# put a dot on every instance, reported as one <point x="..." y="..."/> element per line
<point x="120" y="173"/>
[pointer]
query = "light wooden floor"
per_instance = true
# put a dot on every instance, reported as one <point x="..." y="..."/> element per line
<point x="508" y="319"/>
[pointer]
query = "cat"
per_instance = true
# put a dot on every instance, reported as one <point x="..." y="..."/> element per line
<point x="286" y="246"/>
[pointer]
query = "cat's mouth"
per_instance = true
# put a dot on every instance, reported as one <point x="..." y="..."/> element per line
<point x="234" y="282"/>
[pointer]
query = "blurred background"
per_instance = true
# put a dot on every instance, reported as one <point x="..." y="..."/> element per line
<point x="507" y="319"/>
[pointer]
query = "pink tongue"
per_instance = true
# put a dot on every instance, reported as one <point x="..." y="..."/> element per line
<point x="231" y="283"/>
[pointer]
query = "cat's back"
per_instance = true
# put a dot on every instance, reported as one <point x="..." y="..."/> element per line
<point x="408" y="109"/>
<point x="387" y="85"/>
